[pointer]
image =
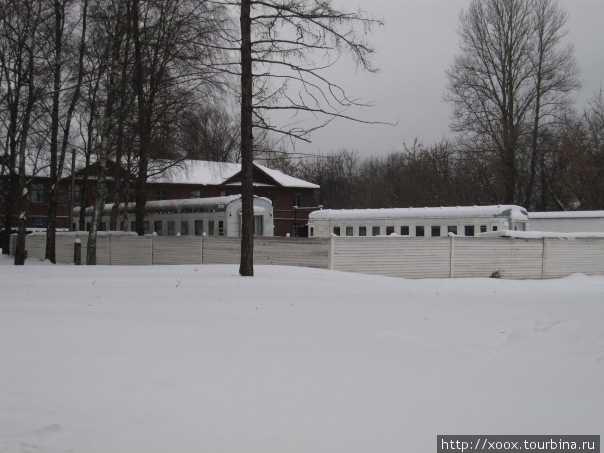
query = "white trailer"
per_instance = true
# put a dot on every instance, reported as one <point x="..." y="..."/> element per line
<point x="215" y="216"/>
<point x="429" y="222"/>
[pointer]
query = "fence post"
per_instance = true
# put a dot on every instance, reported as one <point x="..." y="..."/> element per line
<point x="452" y="258"/>
<point x="77" y="252"/>
<point x="331" y="253"/>
<point x="543" y="258"/>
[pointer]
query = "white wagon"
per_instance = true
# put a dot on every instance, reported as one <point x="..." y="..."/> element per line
<point x="430" y="222"/>
<point x="215" y="216"/>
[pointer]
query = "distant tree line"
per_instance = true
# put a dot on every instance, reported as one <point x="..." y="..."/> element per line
<point x="517" y="139"/>
<point x="569" y="175"/>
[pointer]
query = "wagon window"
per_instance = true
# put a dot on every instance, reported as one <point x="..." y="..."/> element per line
<point x="336" y="231"/>
<point x="389" y="230"/>
<point x="184" y="227"/>
<point x="258" y="223"/>
<point x="469" y="230"/>
<point x="349" y="231"/>
<point x="452" y="229"/>
<point x="198" y="227"/>
<point x="435" y="230"/>
<point x="483" y="228"/>
<point x="419" y="231"/>
<point x="362" y="231"/>
<point x="404" y="231"/>
<point x="171" y="228"/>
<point x="375" y="231"/>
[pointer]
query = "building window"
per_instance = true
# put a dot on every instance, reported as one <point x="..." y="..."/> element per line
<point x="349" y="231"/>
<point x="195" y="194"/>
<point x="221" y="226"/>
<point x="158" y="225"/>
<point x="336" y="231"/>
<point x="146" y="228"/>
<point x="389" y="230"/>
<point x="494" y="227"/>
<point x="171" y="228"/>
<point x="258" y="224"/>
<point x="198" y="227"/>
<point x="483" y="228"/>
<point x="297" y="200"/>
<point x="375" y="231"/>
<point x="211" y="227"/>
<point x="271" y="196"/>
<point x="131" y="196"/>
<point x="405" y="230"/>
<point x="312" y="231"/>
<point x="362" y="231"/>
<point x="435" y="230"/>
<point x="133" y="226"/>
<point x="161" y="194"/>
<point x="37" y="193"/>
<point x="77" y="194"/>
<point x="452" y="229"/>
<point x="184" y="227"/>
<point x="37" y="222"/>
<point x="420" y="231"/>
<point x="103" y="226"/>
<point x="468" y="230"/>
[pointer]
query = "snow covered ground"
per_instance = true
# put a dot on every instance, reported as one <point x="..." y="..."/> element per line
<point x="197" y="359"/>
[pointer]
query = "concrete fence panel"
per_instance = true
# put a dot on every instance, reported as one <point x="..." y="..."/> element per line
<point x="221" y="250"/>
<point x="570" y="256"/>
<point x="393" y="256"/>
<point x="509" y="258"/>
<point x="177" y="250"/>
<point x="304" y="252"/>
<point x="130" y="250"/>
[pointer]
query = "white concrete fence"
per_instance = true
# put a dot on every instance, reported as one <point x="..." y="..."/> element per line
<point x="516" y="258"/>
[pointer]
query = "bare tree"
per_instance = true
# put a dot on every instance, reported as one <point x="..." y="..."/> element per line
<point x="24" y="82"/>
<point x="281" y="42"/>
<point x="508" y="80"/>
<point x="66" y="90"/>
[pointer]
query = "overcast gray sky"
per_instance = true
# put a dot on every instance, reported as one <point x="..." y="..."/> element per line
<point x="413" y="49"/>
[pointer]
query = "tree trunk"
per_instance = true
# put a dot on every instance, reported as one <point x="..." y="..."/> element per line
<point x="144" y="132"/>
<point x="246" y="267"/>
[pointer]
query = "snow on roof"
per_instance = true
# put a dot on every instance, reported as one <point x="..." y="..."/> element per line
<point x="515" y="212"/>
<point x="198" y="172"/>
<point x="566" y="215"/>
<point x="180" y="205"/>
<point x="286" y="180"/>
<point x="540" y="234"/>
<point x="215" y="173"/>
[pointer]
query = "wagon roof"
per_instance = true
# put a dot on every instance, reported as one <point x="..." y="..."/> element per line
<point x="566" y="215"/>
<point x="515" y="212"/>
